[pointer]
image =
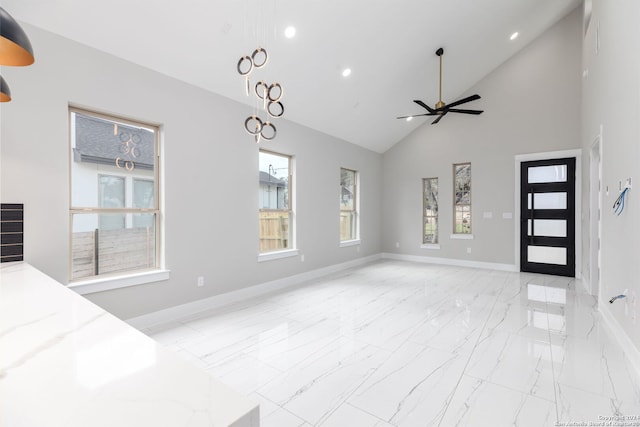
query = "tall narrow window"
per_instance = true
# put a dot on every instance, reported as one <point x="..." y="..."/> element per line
<point x="114" y="205"/>
<point x="348" y="205"/>
<point x="430" y="211"/>
<point x="275" y="214"/>
<point x="462" y="198"/>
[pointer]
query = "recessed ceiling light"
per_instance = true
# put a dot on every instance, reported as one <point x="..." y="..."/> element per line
<point x="514" y="36"/>
<point x="409" y="118"/>
<point x="346" y="72"/>
<point x="289" y="32"/>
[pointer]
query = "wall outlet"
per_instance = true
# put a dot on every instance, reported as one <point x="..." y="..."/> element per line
<point x="468" y="250"/>
<point x="397" y="244"/>
<point x="301" y="258"/>
<point x="200" y="281"/>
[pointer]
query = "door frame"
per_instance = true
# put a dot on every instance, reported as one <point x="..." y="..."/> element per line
<point x="519" y="158"/>
<point x="595" y="222"/>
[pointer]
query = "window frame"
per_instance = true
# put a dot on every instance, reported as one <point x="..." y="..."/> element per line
<point x="290" y="250"/>
<point x="455" y="233"/>
<point x="355" y="210"/>
<point x="114" y="280"/>
<point x="426" y="243"/>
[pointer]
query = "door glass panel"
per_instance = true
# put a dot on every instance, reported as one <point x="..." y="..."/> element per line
<point x="547" y="255"/>
<point x="549" y="227"/>
<point x="554" y="173"/>
<point x="548" y="201"/>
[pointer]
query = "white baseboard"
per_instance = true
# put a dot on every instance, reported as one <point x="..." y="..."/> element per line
<point x="178" y="312"/>
<point x="450" y="261"/>
<point x="616" y="330"/>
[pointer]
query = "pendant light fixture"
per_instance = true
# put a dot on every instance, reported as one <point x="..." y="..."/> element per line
<point x="5" y="93"/>
<point x="15" y="47"/>
<point x="268" y="96"/>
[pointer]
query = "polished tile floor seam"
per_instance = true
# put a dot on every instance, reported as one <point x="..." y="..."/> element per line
<point x="401" y="344"/>
<point x="553" y="371"/>
<point x="464" y="370"/>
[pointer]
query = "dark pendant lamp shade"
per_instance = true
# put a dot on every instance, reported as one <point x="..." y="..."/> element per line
<point x="15" y="47"/>
<point x="5" y="93"/>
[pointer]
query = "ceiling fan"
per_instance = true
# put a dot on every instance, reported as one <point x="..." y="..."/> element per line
<point x="441" y="109"/>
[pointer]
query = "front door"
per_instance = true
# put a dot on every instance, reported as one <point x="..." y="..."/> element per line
<point x="547" y="217"/>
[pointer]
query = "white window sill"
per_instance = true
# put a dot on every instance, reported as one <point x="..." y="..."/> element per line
<point x="429" y="246"/>
<point x="101" y="284"/>
<point x="462" y="236"/>
<point x="278" y="255"/>
<point x="345" y="243"/>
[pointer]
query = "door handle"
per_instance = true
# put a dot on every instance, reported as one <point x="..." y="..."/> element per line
<point x="531" y="217"/>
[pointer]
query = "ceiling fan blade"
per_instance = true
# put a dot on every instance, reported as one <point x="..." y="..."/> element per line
<point x="425" y="106"/>
<point x="460" y="101"/>
<point x="455" y="110"/>
<point x="416" y="115"/>
<point x="435" y="122"/>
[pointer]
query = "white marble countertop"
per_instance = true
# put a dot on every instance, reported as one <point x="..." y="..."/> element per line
<point x="66" y="362"/>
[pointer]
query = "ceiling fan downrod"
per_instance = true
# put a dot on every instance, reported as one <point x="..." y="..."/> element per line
<point x="440" y="104"/>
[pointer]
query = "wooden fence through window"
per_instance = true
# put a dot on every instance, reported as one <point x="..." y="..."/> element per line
<point x="109" y="251"/>
<point x="274" y="230"/>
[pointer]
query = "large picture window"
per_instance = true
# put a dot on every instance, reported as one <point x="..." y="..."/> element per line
<point x="462" y="198"/>
<point x="114" y="203"/>
<point x="275" y="200"/>
<point x="348" y="205"/>
<point x="430" y="211"/>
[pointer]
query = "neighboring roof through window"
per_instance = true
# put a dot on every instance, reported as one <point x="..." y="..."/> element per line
<point x="95" y="142"/>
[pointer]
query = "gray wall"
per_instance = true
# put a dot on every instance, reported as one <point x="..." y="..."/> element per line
<point x="211" y="175"/>
<point x="611" y="92"/>
<point x="532" y="104"/>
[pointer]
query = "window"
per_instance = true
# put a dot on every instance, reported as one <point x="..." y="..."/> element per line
<point x="111" y="195"/>
<point x="462" y="198"/>
<point x="143" y="197"/>
<point x="114" y="205"/>
<point x="430" y="211"/>
<point x="275" y="214"/>
<point x="348" y="205"/>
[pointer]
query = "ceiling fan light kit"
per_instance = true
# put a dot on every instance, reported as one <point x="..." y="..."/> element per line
<point x="441" y="109"/>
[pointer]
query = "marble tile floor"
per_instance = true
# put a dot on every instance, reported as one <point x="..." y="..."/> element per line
<point x="405" y="344"/>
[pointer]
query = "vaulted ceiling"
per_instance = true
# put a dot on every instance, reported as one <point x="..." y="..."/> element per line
<point x="388" y="45"/>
